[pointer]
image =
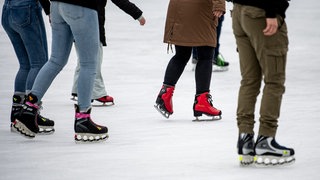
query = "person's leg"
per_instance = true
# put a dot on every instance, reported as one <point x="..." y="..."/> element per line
<point x="249" y="88"/>
<point x="173" y="72"/>
<point x="28" y="36"/>
<point x="203" y="101"/>
<point x="204" y="69"/>
<point x="177" y="64"/>
<point x="87" y="44"/>
<point x="74" y="90"/>
<point x="99" y="89"/>
<point x="219" y="27"/>
<point x="62" y="40"/>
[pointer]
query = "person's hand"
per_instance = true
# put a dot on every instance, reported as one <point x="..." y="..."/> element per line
<point x="218" y="13"/>
<point x="272" y="26"/>
<point x="142" y="20"/>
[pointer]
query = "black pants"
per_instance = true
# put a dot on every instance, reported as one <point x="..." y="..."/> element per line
<point x="203" y="68"/>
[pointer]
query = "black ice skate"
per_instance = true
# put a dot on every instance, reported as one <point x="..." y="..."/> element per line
<point x="86" y="130"/>
<point x="245" y="147"/>
<point x="164" y="101"/>
<point x="46" y="126"/>
<point x="270" y="153"/>
<point x="17" y="102"/>
<point x="25" y="122"/>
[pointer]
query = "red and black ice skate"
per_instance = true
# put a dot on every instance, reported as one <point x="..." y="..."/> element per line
<point x="203" y="105"/>
<point x="164" y="101"/>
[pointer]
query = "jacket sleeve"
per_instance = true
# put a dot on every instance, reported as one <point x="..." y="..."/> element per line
<point x="128" y="8"/>
<point x="274" y="7"/>
<point x="219" y="5"/>
<point x="46" y="6"/>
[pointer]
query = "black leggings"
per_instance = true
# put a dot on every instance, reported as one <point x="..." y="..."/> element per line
<point x="203" y="69"/>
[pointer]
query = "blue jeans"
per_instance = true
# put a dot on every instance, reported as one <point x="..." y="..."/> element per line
<point x="71" y="23"/>
<point x="22" y="20"/>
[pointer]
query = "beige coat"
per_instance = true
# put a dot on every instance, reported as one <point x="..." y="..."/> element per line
<point x="192" y="23"/>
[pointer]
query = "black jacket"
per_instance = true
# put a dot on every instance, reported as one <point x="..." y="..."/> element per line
<point x="124" y="5"/>
<point x="46" y="6"/>
<point x="272" y="7"/>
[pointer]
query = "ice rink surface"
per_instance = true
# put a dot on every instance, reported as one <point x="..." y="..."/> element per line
<point x="143" y="145"/>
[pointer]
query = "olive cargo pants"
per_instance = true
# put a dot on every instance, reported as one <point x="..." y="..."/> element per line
<point x="261" y="58"/>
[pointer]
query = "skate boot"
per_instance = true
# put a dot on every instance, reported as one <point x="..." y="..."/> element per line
<point x="86" y="130"/>
<point x="17" y="102"/>
<point x="74" y="96"/>
<point x="164" y="100"/>
<point x="270" y="153"/>
<point x="246" y="149"/>
<point x="25" y="122"/>
<point x="46" y="126"/>
<point x="203" y="105"/>
<point x="219" y="64"/>
<point x="106" y="100"/>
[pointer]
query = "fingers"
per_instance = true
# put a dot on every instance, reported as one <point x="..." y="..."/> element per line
<point x="218" y="13"/>
<point x="142" y="20"/>
<point x="271" y="27"/>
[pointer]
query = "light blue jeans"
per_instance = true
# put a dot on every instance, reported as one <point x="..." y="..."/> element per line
<point x="71" y="23"/>
<point x="23" y="22"/>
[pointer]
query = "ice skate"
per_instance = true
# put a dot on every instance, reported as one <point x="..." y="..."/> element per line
<point x="86" y="131"/>
<point x="25" y="122"/>
<point x="74" y="97"/>
<point x="245" y="148"/>
<point x="106" y="100"/>
<point x="219" y="64"/>
<point x="203" y="105"/>
<point x="270" y="153"/>
<point x="17" y="102"/>
<point x="46" y="126"/>
<point x="164" y="101"/>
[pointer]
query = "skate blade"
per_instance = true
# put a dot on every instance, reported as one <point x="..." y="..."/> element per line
<point x="210" y="118"/>
<point x="103" y="104"/>
<point x="216" y="68"/>
<point x="273" y="161"/>
<point x="90" y="138"/>
<point x="246" y="160"/>
<point x="163" y="112"/>
<point x="46" y="130"/>
<point x="21" y="129"/>
<point x="74" y="98"/>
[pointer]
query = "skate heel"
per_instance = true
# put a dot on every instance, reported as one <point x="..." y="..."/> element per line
<point x="197" y="113"/>
<point x="164" y="101"/>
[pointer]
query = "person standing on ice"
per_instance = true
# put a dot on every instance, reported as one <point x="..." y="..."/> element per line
<point x="99" y="91"/>
<point x="191" y="24"/>
<point x="261" y="36"/>
<point x="70" y="21"/>
<point x="23" y="22"/>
